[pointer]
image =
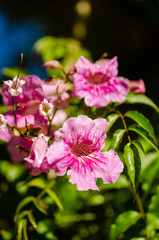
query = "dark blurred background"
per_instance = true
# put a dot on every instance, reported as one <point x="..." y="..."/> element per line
<point x="128" y="29"/>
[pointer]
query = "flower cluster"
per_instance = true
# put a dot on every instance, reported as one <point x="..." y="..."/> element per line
<point x="38" y="108"/>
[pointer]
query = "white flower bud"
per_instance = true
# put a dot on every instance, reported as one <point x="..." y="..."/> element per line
<point x="15" y="86"/>
<point x="46" y="108"/>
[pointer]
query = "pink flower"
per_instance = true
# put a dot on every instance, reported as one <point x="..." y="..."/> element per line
<point x="30" y="98"/>
<point x="15" y="86"/>
<point x="137" y="86"/>
<point x="78" y="148"/>
<point x="98" y="83"/>
<point x="37" y="158"/>
<point x="49" y="86"/>
<point x="18" y="147"/>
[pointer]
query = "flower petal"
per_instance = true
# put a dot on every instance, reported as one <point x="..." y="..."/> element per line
<point x="76" y="130"/>
<point x="59" y="157"/>
<point x="82" y="177"/>
<point x="111" y="169"/>
<point x="85" y="67"/>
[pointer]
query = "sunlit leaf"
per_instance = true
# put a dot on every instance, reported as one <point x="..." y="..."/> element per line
<point x="43" y="226"/>
<point x="153" y="219"/>
<point x="111" y="119"/>
<point x="37" y="182"/>
<point x="132" y="98"/>
<point x="11" y="171"/>
<point x="4" y="108"/>
<point x="117" y="138"/>
<point x="133" y="163"/>
<point x="142" y="132"/>
<point x="123" y="222"/>
<point x="12" y="72"/>
<point x="96" y="200"/>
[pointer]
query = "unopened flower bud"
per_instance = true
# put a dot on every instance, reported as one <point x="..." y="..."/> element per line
<point x="72" y="69"/>
<point x="62" y="91"/>
<point x="3" y="122"/>
<point x="137" y="86"/>
<point x="53" y="64"/>
<point x="62" y="87"/>
<point x="46" y="108"/>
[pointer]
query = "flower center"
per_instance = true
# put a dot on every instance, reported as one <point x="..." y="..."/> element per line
<point x="97" y="79"/>
<point x="80" y="150"/>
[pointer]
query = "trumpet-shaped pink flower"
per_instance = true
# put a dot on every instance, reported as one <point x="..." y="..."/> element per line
<point x="98" y="83"/>
<point x="78" y="147"/>
<point x="37" y="158"/>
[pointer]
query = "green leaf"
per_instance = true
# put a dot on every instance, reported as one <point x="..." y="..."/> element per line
<point x="11" y="171"/>
<point x="22" y="204"/>
<point x="153" y="219"/>
<point x="117" y="138"/>
<point x="37" y="182"/>
<point x="22" y="215"/>
<point x="156" y="237"/>
<point x="55" y="198"/>
<point x="138" y="145"/>
<point x="133" y="163"/>
<point x="4" y="108"/>
<point x="150" y="169"/>
<point x="138" y="238"/>
<point x="154" y="204"/>
<point x="111" y="119"/>
<point x="142" y="132"/>
<point x="142" y="121"/>
<point x="123" y="222"/>
<point x="132" y="98"/>
<point x="39" y="207"/>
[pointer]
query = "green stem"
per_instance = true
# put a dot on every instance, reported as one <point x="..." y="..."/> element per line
<point x="124" y="124"/>
<point x="140" y="206"/>
<point x="15" y="110"/>
<point x="50" y="120"/>
<point x="15" y="117"/>
<point x="25" y="230"/>
<point x="42" y="193"/>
